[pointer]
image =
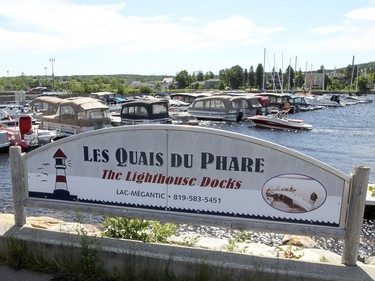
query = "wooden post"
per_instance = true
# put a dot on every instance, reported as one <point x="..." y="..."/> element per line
<point x="17" y="185"/>
<point x="356" y="209"/>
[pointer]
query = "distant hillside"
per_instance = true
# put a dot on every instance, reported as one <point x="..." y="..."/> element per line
<point x="368" y="66"/>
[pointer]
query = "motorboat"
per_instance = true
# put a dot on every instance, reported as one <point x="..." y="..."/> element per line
<point x="278" y="121"/>
<point x="188" y="97"/>
<point x="4" y="140"/>
<point x="156" y="111"/>
<point x="23" y="134"/>
<point x="278" y="101"/>
<point x="183" y="118"/>
<point x="250" y="105"/>
<point x="77" y="115"/>
<point x="9" y="113"/>
<point x="43" y="106"/>
<point x="217" y="108"/>
<point x="147" y="111"/>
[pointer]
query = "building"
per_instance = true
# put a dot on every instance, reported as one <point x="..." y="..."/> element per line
<point x="314" y="81"/>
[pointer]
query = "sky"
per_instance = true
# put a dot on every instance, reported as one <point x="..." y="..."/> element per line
<point x="164" y="37"/>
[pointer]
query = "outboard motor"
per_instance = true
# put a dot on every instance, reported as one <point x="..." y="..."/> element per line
<point x="335" y="98"/>
<point x="239" y="116"/>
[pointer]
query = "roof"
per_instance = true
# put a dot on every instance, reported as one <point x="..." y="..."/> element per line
<point x="85" y="103"/>
<point x="48" y="99"/>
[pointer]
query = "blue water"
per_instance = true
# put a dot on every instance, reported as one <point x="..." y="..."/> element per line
<point x="342" y="137"/>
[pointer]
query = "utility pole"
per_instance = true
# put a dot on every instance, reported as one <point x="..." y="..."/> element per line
<point x="45" y="75"/>
<point x="53" y="75"/>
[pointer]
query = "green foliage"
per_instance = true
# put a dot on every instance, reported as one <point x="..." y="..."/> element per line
<point x="145" y="89"/>
<point x="323" y="259"/>
<point x="137" y="229"/>
<point x="372" y="190"/>
<point x="235" y="77"/>
<point x="259" y="72"/>
<point x="183" y="79"/>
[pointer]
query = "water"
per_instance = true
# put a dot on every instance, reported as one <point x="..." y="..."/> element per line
<point x="342" y="138"/>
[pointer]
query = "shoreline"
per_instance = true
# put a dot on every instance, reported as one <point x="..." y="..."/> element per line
<point x="289" y="247"/>
<point x="55" y="240"/>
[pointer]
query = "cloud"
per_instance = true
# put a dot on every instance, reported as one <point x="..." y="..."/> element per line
<point x="367" y="13"/>
<point x="326" y="30"/>
<point x="56" y="25"/>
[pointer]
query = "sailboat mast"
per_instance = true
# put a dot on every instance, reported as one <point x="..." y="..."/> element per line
<point x="351" y="80"/>
<point x="290" y="61"/>
<point x="295" y="74"/>
<point x="264" y="69"/>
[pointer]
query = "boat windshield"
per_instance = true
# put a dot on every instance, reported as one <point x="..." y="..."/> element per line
<point x="159" y="108"/>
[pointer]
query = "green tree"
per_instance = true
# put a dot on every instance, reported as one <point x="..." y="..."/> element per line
<point x="300" y="79"/>
<point x="259" y="72"/>
<point x="251" y="77"/>
<point x="209" y="75"/>
<point x="236" y="75"/>
<point x="200" y="76"/>
<point x="183" y="79"/>
<point x="223" y="76"/>
<point x="245" y="78"/>
<point x="221" y="85"/>
<point x="144" y="89"/>
<point x="362" y="82"/>
<point x="289" y="78"/>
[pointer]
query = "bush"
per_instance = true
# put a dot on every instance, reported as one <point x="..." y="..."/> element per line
<point x="137" y="229"/>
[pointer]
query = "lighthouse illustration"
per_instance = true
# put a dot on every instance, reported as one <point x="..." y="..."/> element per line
<point x="61" y="185"/>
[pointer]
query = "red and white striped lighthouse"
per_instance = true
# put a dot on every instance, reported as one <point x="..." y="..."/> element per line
<point x="61" y="185"/>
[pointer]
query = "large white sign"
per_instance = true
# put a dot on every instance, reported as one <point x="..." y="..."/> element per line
<point x="189" y="170"/>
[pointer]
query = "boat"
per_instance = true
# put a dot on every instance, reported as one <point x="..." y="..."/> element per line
<point x="43" y="106"/>
<point x="146" y="111"/>
<point x="217" y="108"/>
<point x="299" y="103"/>
<point x="278" y="121"/>
<point x="188" y="97"/>
<point x="9" y="113"/>
<point x="4" y="140"/>
<point x="278" y="101"/>
<point x="151" y="110"/>
<point x="76" y="115"/>
<point x="23" y="134"/>
<point x="250" y="105"/>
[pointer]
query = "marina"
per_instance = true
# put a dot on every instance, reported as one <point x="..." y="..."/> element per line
<point x="341" y="137"/>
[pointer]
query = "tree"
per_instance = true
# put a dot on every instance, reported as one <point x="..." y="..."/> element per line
<point x="209" y="75"/>
<point x="251" y="77"/>
<point x="362" y="84"/>
<point x="200" y="76"/>
<point x="245" y="78"/>
<point x="183" y="79"/>
<point x="300" y="79"/>
<point x="223" y="76"/>
<point x="236" y="75"/>
<point x="289" y="78"/>
<point x="259" y="76"/>
<point x="144" y="89"/>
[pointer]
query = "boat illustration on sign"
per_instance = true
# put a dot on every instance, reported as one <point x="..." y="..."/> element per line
<point x="294" y="193"/>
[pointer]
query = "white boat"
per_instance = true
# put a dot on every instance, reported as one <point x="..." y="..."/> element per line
<point x="278" y="121"/>
<point x="23" y="134"/>
<point x="4" y="140"/>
